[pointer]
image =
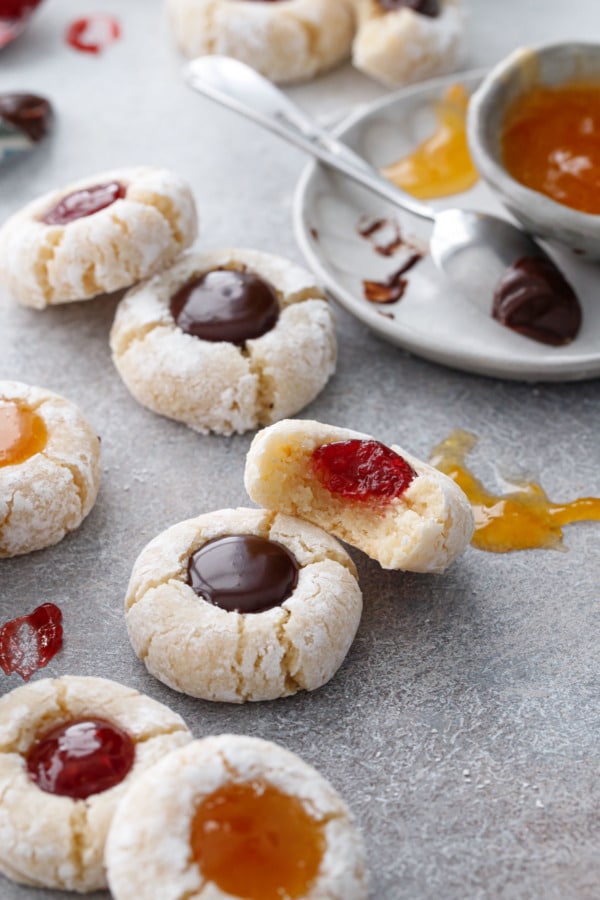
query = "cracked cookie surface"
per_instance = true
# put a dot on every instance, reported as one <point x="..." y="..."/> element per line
<point x="422" y="530"/>
<point x="48" y="493"/>
<point x="152" y="220"/>
<point x="285" y="41"/>
<point x="217" y="385"/>
<point x="48" y="840"/>
<point x="200" y="649"/>
<point x="149" y="853"/>
<point x="401" y="46"/>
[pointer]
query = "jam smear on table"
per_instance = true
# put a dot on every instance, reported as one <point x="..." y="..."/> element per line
<point x="256" y="842"/>
<point x="29" y="642"/>
<point x="523" y="518"/>
<point x="429" y="8"/>
<point x="392" y="289"/>
<point x="14" y="16"/>
<point x="243" y="573"/>
<point x="23" y="433"/>
<point x="535" y="299"/>
<point x="29" y="113"/>
<point x="92" y="34"/>
<point x="550" y="142"/>
<point x="80" y="758"/>
<point x="442" y="164"/>
<point x="362" y="470"/>
<point x="84" y="202"/>
<point x="226" y="305"/>
<point x="386" y="237"/>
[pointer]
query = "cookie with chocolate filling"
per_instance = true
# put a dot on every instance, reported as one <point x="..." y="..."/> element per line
<point x="243" y="604"/>
<point x="225" y="341"/>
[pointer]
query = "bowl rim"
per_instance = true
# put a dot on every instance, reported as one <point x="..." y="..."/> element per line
<point x="547" y="211"/>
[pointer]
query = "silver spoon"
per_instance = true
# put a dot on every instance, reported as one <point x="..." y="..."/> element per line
<point x="473" y="249"/>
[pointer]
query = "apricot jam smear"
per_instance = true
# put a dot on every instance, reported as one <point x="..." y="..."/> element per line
<point x="22" y="433"/>
<point x="524" y="519"/>
<point x="253" y="841"/>
<point x="550" y="142"/>
<point x="362" y="470"/>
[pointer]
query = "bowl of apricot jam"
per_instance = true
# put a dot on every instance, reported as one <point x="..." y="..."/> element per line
<point x="534" y="134"/>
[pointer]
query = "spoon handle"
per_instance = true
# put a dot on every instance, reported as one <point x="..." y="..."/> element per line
<point x="242" y="89"/>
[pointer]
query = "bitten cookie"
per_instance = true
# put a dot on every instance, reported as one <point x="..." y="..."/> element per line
<point x="285" y="41"/>
<point x="402" y="41"/>
<point x="49" y="468"/>
<point x="225" y="341"/>
<point x="233" y="816"/>
<point x="97" y="235"/>
<point x="69" y="749"/>
<point x="397" y="509"/>
<point x="243" y="604"/>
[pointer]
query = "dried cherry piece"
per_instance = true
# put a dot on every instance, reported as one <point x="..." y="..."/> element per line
<point x="29" y="642"/>
<point x="80" y="758"/>
<point x="362" y="470"/>
<point x="84" y="202"/>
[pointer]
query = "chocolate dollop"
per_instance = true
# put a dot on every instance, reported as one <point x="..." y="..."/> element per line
<point x="535" y="299"/>
<point x="28" y="113"/>
<point x="429" y="8"/>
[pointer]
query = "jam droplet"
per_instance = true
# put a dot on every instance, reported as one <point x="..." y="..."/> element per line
<point x="29" y="113"/>
<point x="92" y="34"/>
<point x="83" y="203"/>
<point x="14" y="16"/>
<point x="256" y="842"/>
<point x="362" y="470"/>
<point x="30" y="642"/>
<point x="80" y="758"/>
<point x="524" y="519"/>
<point x="424" y="7"/>
<point x="226" y="305"/>
<point x="243" y="573"/>
<point x="535" y="299"/>
<point x="22" y="433"/>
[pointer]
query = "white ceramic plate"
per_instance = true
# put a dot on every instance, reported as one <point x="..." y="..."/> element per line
<point x="431" y="320"/>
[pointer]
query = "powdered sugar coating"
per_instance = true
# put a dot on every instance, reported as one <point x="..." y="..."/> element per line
<point x="130" y="239"/>
<point x="423" y="530"/>
<point x="289" y="41"/>
<point x="53" y="841"/>
<point x="49" y="494"/>
<point x="202" y="650"/>
<point x="218" y="386"/>
<point x="401" y="46"/>
<point x="148" y="848"/>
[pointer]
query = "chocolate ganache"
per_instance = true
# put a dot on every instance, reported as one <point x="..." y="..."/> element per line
<point x="429" y="8"/>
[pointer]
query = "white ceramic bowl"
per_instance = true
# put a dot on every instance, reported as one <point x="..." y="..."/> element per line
<point x="550" y="65"/>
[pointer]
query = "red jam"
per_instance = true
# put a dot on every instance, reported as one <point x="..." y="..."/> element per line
<point x="30" y="642"/>
<point x="80" y="758"/>
<point x="93" y="33"/>
<point x="82" y="203"/>
<point x="254" y="841"/>
<point x="362" y="470"/>
<point x="14" y="15"/>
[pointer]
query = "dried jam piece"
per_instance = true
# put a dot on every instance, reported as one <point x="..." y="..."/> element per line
<point x="84" y="202"/>
<point x="23" y="433"/>
<point x="429" y="8"/>
<point x="80" y="758"/>
<point x="256" y="842"/>
<point x="92" y="34"/>
<point x="226" y="305"/>
<point x="28" y="113"/>
<point x="243" y="573"/>
<point x="362" y="470"/>
<point x="535" y="299"/>
<point x="30" y="642"/>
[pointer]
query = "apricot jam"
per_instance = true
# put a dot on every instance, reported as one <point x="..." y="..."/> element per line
<point x="442" y="164"/>
<point x="524" y="519"/>
<point x="550" y="142"/>
<point x="80" y="758"/>
<point x="22" y="433"/>
<point x="362" y="470"/>
<point x="254" y="841"/>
